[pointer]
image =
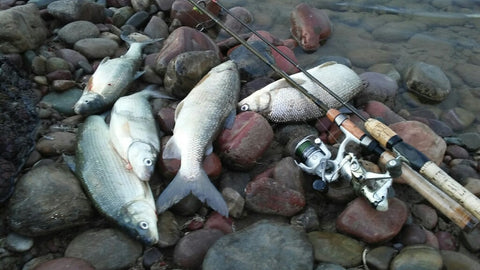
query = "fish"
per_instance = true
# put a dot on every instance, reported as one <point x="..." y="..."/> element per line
<point x="134" y="133"/>
<point x="111" y="80"/>
<point x="115" y="192"/>
<point x="280" y="102"/>
<point x="199" y="118"/>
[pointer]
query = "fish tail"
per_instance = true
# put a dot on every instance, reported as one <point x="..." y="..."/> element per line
<point x="201" y="187"/>
<point x="142" y="44"/>
<point x="153" y="91"/>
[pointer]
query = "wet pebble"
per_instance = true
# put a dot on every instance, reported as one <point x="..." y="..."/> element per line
<point x="461" y="172"/>
<point x="471" y="240"/>
<point x="62" y="85"/>
<point x="468" y="72"/>
<point x="156" y="28"/>
<point x="422" y="138"/>
<point x="458" y="118"/>
<point x="138" y="20"/>
<point x="417" y="257"/>
<point x="308" y="220"/>
<point x="471" y="140"/>
<point x="309" y="26"/>
<point x="425" y="215"/>
<point x="397" y="31"/>
<point x="57" y="143"/>
<point x="235" y="202"/>
<point x="378" y="87"/>
<point x="121" y="250"/>
<point x="151" y="256"/>
<point x="380" y="257"/>
<point x="168" y="229"/>
<point x="387" y="69"/>
<point x="453" y="260"/>
<point x="183" y="11"/>
<point x="219" y="222"/>
<point x="96" y="48"/>
<point x="73" y="57"/>
<point x="60" y="74"/>
<point x="65" y="264"/>
<point x="18" y="243"/>
<point x="412" y="234"/>
<point x="329" y="266"/>
<point x="121" y="15"/>
<point x="56" y="63"/>
<point x="248" y="248"/>
<point x="75" y="31"/>
<point x="427" y="81"/>
<point x="336" y="248"/>
<point x="74" y="10"/>
<point x="249" y="65"/>
<point x="379" y="110"/>
<point x="63" y="102"/>
<point x="241" y="146"/>
<point x="361" y="220"/>
<point x="440" y="128"/>
<point x="70" y="208"/>
<point x="446" y="240"/>
<point x="240" y="13"/>
<point x="282" y="63"/>
<point x="191" y="249"/>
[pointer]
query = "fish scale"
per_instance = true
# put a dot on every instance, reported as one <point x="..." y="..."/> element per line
<point x="110" y="186"/>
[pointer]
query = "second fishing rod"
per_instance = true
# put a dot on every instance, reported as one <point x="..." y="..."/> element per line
<point x="383" y="134"/>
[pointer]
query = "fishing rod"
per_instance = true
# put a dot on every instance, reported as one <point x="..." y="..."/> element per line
<point x="383" y="134"/>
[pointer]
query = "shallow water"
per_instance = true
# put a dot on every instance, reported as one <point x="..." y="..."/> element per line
<point x="439" y="32"/>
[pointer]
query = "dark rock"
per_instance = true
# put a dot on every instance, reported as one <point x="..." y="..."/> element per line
<point x="446" y="241"/>
<point x="412" y="234"/>
<point x="156" y="28"/>
<point x="65" y="264"/>
<point x="249" y="65"/>
<point x="380" y="257"/>
<point x="455" y="260"/>
<point x="379" y="110"/>
<point x="458" y="118"/>
<point x="168" y="229"/>
<point x="219" y="222"/>
<point x="138" y="20"/>
<point x="96" y="48"/>
<point x="425" y="215"/>
<point x="471" y="240"/>
<point x="152" y="256"/>
<point x="183" y="11"/>
<point x="336" y="248"/>
<point x="191" y="249"/>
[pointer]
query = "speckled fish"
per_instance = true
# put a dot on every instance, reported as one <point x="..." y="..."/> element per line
<point x="199" y="117"/>
<point x="116" y="192"/>
<point x="280" y="102"/>
<point x="134" y="133"/>
<point x="111" y="80"/>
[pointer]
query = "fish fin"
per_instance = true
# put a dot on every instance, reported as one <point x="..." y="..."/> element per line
<point x="329" y="63"/>
<point x="138" y="74"/>
<point x="104" y="60"/>
<point x="209" y="150"/>
<point x="178" y="109"/>
<point x="230" y="119"/>
<point x="201" y="187"/>
<point x="171" y="150"/>
<point x="153" y="91"/>
<point x="70" y="162"/>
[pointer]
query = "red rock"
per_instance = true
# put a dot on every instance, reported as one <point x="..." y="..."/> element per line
<point x="219" y="222"/>
<point x="446" y="241"/>
<point x="361" y="220"/>
<point x="242" y="145"/>
<point x="184" y="11"/>
<point x="65" y="264"/>
<point x="266" y="35"/>
<point x="265" y="195"/>
<point x="191" y="249"/>
<point x="183" y="39"/>
<point x="60" y="74"/>
<point x="284" y="64"/>
<point x="377" y="109"/>
<point x="412" y="234"/>
<point x="166" y="119"/>
<point x="309" y="26"/>
<point x="289" y="174"/>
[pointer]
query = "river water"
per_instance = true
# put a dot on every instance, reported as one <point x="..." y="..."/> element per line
<point x="438" y="32"/>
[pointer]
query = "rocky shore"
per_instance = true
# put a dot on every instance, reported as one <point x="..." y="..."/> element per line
<point x="420" y="76"/>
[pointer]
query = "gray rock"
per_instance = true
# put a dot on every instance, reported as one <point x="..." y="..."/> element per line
<point x="380" y="257"/>
<point x="471" y="140"/>
<point x="397" y="31"/>
<point x="156" y="28"/>
<point x="56" y="63"/>
<point x="336" y="248"/>
<point x="418" y="257"/>
<point x="427" y="81"/>
<point x="263" y="245"/>
<point x="387" y="69"/>
<point x="121" y="15"/>
<point x="469" y="73"/>
<point x="329" y="266"/>
<point x="48" y="199"/>
<point x="455" y="260"/>
<point x="458" y="118"/>
<point x="21" y="29"/>
<point x="138" y="20"/>
<point x="96" y="48"/>
<point x="471" y="240"/>
<point x="57" y="143"/>
<point x="76" y="10"/>
<point x="78" y="30"/>
<point x="63" y="102"/>
<point x="105" y="249"/>
<point x="18" y="243"/>
<point x="378" y="87"/>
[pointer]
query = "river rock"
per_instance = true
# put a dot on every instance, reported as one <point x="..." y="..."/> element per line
<point x="75" y="31"/>
<point x="18" y="243"/>
<point x="139" y="19"/>
<point x="412" y="234"/>
<point x="249" y="65"/>
<point x="380" y="257"/>
<point x="191" y="249"/>
<point x="184" y="12"/>
<point x="70" y="207"/>
<point x="96" y="48"/>
<point x="168" y="229"/>
<point x="425" y="215"/>
<point x="121" y="15"/>
<point x="468" y="72"/>
<point x="251" y="247"/>
<point x="241" y="146"/>
<point x="427" y="81"/>
<point x="156" y="28"/>
<point x="417" y="257"/>
<point x="378" y="110"/>
<point x="471" y="140"/>
<point x="458" y="118"/>
<point x="387" y="69"/>
<point x="446" y="241"/>
<point x="361" y="220"/>
<point x="336" y="248"/>
<point x="282" y="63"/>
<point x="63" y="101"/>
<point x="73" y="57"/>
<point x="397" y="31"/>
<point x="219" y="222"/>
<point x="453" y="260"/>
<point x="309" y="26"/>
<point x="186" y="69"/>
<point x="105" y="249"/>
<point x="65" y="264"/>
<point x="182" y="39"/>
<point x="471" y="240"/>
<point x="77" y="10"/>
<point x="378" y="87"/>
<point x="422" y="138"/>
<point x="235" y="202"/>
<point x="21" y="29"/>
<point x="241" y="14"/>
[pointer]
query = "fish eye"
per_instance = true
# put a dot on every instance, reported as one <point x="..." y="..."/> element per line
<point x="245" y="107"/>
<point x="143" y="225"/>
<point x="87" y="101"/>
<point x="147" y="162"/>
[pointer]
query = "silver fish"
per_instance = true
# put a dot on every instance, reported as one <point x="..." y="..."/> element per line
<point x="199" y="117"/>
<point x="134" y="133"/>
<point x="111" y="80"/>
<point x="116" y="192"/>
<point x="280" y="102"/>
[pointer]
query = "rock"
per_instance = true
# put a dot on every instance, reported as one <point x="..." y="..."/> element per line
<point x="336" y="248"/>
<point x="455" y="260"/>
<point x="235" y="202"/>
<point x="309" y="26"/>
<point x="182" y="39"/>
<point x="412" y="234"/>
<point x="461" y="172"/>
<point x="183" y="11"/>
<point x="380" y="257"/>
<point x="139" y="19"/>
<point x="427" y="81"/>
<point x="77" y="10"/>
<point x="471" y="140"/>
<point x="329" y="266"/>
<point x="219" y="222"/>
<point x="387" y="69"/>
<point x="191" y="249"/>
<point x="73" y="57"/>
<point x="18" y="243"/>
<point x="70" y="207"/>
<point x="397" y="31"/>
<point x="378" y="87"/>
<point x="168" y="230"/>
<point x="456" y="151"/>
<point x="241" y="146"/>
<point x="288" y="173"/>
<point x="422" y="138"/>
<point x="425" y="215"/>
<point x="417" y="257"/>
<point x="431" y="239"/>
<point x="77" y="30"/>
<point x="96" y="48"/>
<point x="185" y="70"/>
<point x="458" y="118"/>
<point x="308" y="220"/>
<point x="57" y="143"/>
<point x="62" y="85"/>
<point x="471" y="240"/>
<point x="56" y="63"/>
<point x="21" y="29"/>
<point x="446" y="241"/>
<point x="164" y="5"/>
<point x="361" y="220"/>
<point x="264" y="239"/>
<point x="95" y="245"/>
<point x="151" y="256"/>
<point x="366" y="57"/>
<point x="467" y="72"/>
<point x="65" y="264"/>
<point x="63" y="101"/>
<point x="281" y="61"/>
<point x="61" y="74"/>
<point x="121" y="15"/>
<point x="241" y="14"/>
<point x="440" y="127"/>
<point x="249" y="65"/>
<point x="378" y="110"/>
<point x="156" y="28"/>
